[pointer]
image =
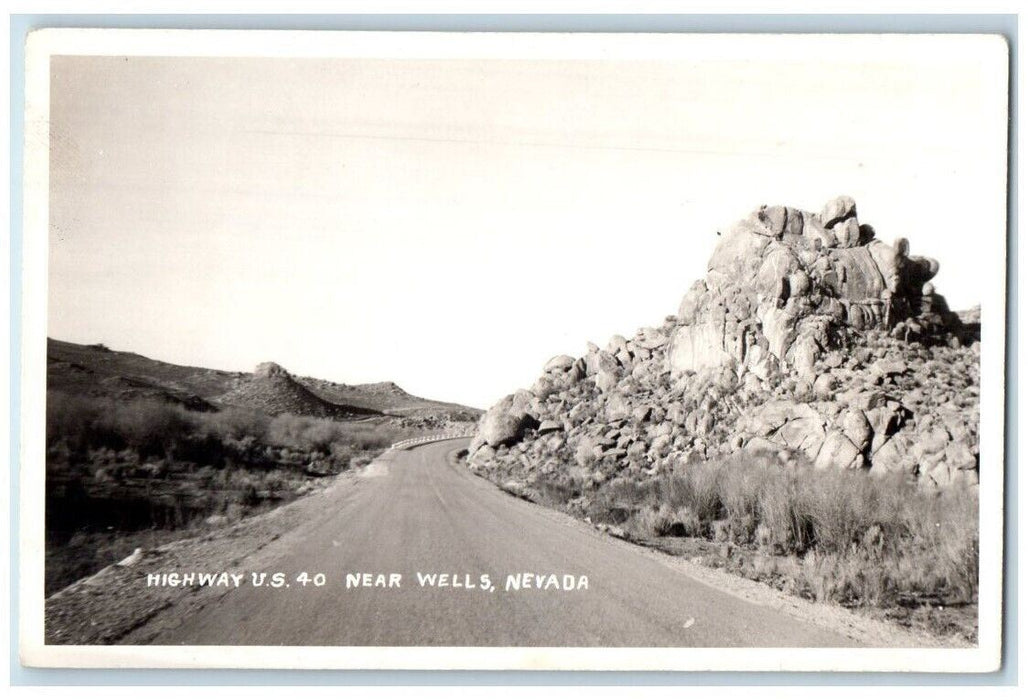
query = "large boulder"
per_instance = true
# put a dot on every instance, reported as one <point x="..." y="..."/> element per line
<point x="738" y="251"/>
<point x="838" y="210"/>
<point x="697" y="347"/>
<point x="506" y="422"/>
<point x="789" y="424"/>
<point x="560" y="363"/>
<point x="838" y="451"/>
<point x="858" y="276"/>
<point x="270" y="369"/>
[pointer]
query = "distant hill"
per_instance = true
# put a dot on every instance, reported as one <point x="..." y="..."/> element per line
<point x="99" y="371"/>
<point x="388" y="398"/>
<point x="273" y="390"/>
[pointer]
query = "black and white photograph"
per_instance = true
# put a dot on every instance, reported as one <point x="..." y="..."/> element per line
<point x="513" y="351"/>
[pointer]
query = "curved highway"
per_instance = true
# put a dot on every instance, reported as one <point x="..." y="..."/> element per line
<point x="418" y="512"/>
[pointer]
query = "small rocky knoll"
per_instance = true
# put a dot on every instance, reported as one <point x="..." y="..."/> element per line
<point x="272" y="390"/>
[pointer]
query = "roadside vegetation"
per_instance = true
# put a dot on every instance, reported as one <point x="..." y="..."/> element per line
<point x="137" y="473"/>
<point x="831" y="536"/>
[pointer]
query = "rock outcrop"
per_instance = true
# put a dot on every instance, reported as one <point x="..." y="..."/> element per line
<point x="808" y="336"/>
<point x="270" y="369"/>
<point x="273" y="390"/>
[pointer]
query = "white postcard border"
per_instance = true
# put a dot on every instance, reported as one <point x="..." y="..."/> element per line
<point x="437" y="45"/>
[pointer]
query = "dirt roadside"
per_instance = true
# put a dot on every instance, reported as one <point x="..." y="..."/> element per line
<point x="116" y="606"/>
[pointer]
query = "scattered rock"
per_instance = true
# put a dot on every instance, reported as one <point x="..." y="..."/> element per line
<point x="549" y="426"/>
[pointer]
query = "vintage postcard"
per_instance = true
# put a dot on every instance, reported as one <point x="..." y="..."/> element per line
<point x="513" y="351"/>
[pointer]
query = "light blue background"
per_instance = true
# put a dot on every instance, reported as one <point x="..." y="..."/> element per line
<point x="1005" y="25"/>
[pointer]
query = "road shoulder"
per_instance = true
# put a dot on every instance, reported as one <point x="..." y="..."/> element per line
<point x="865" y="630"/>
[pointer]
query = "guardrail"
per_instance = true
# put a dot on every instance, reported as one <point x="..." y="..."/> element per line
<point x="424" y="440"/>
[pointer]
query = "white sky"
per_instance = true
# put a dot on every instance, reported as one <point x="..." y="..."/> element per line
<point x="452" y="224"/>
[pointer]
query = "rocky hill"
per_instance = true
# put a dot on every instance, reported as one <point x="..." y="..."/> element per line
<point x="95" y="370"/>
<point x="809" y="338"/>
<point x="272" y="390"/>
<point x="389" y="398"/>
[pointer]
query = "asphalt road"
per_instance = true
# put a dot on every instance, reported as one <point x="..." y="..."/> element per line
<point x="416" y="512"/>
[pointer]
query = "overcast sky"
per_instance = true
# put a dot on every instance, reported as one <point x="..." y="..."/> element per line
<point x="450" y="225"/>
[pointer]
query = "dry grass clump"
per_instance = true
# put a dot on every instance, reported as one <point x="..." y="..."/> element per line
<point x="859" y="540"/>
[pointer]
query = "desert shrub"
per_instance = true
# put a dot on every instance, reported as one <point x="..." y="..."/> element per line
<point x="782" y="524"/>
<point x="77" y="423"/>
<point x="943" y="557"/>
<point x="619" y="499"/>
<point x="67" y="420"/>
<point x="628" y="493"/>
<point x="557" y="490"/>
<point x="685" y="523"/>
<point x="825" y="577"/>
<point x="649" y="522"/>
<point x="320" y="434"/>
<point x="303" y="433"/>
<point x="665" y="521"/>
<point x="372" y="435"/>
<point x="741" y="490"/>
<point x="342" y="453"/>
<point x="859" y="539"/>
<point x="275" y="480"/>
<point x="80" y="426"/>
<point x="198" y="448"/>
<point x="148" y="427"/>
<point x="701" y="490"/>
<point x="238" y="424"/>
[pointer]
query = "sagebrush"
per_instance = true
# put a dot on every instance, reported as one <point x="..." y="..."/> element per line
<point x="850" y="537"/>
